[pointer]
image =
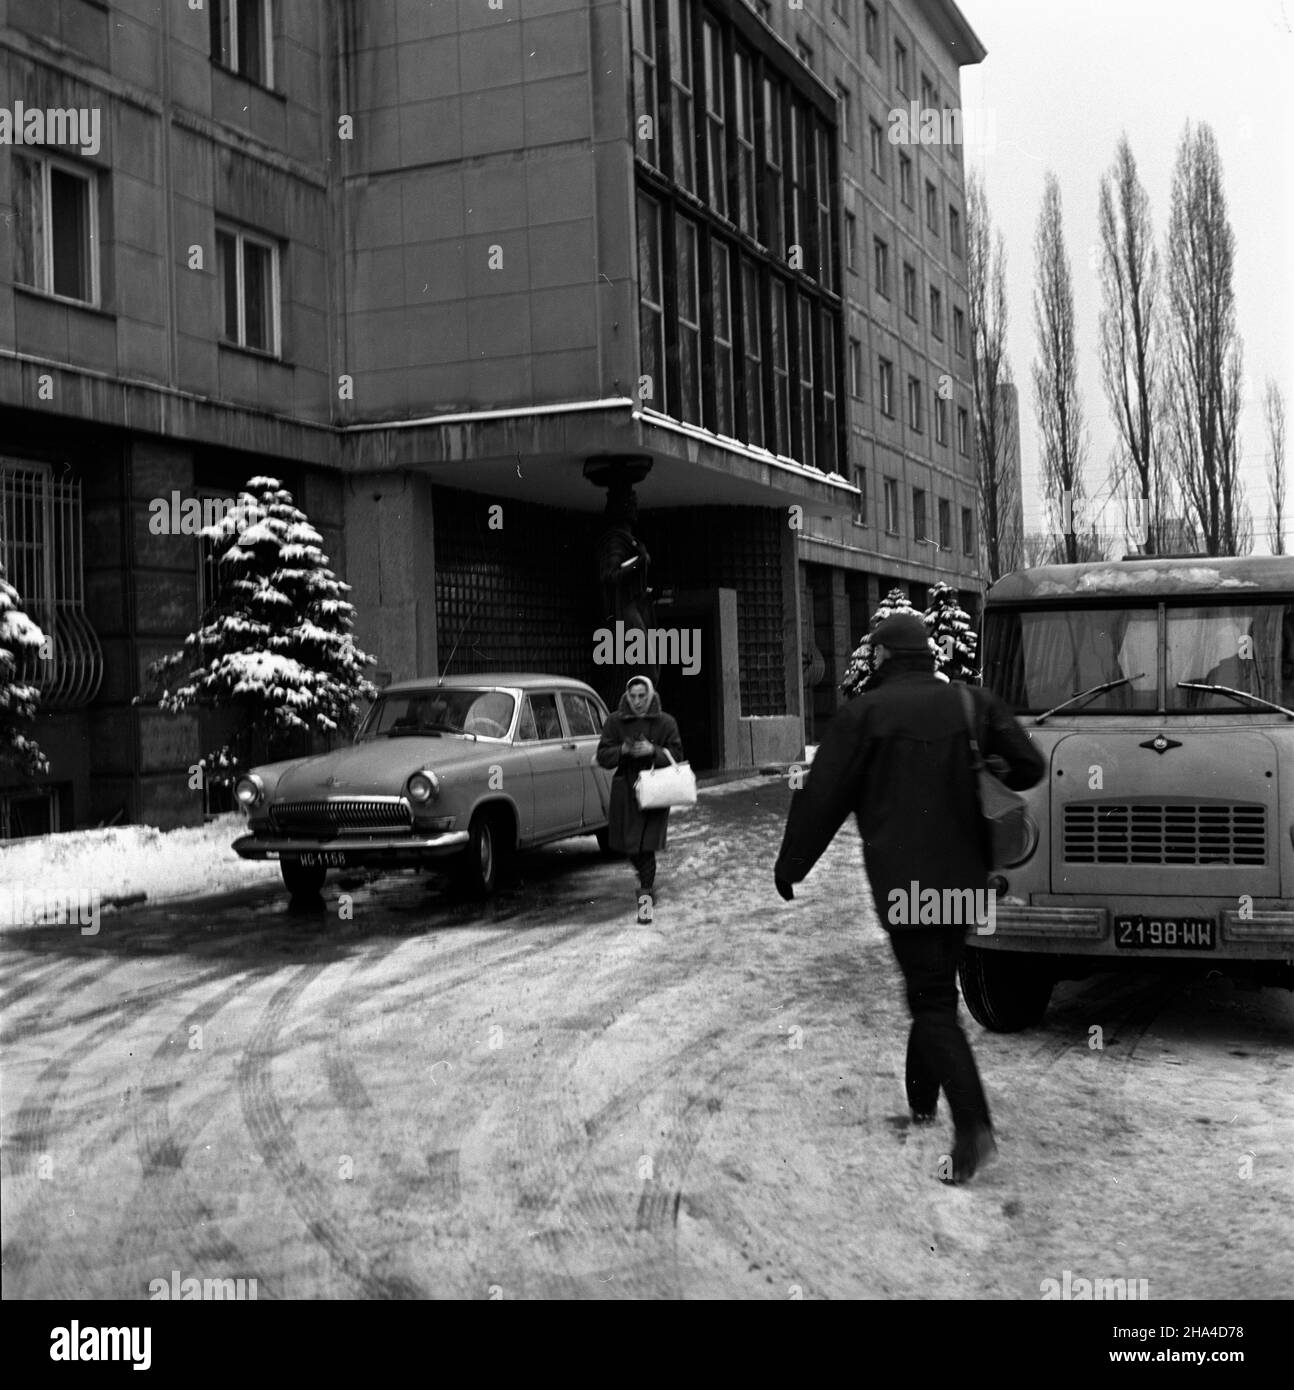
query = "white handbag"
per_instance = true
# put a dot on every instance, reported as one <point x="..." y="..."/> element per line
<point x="658" y="788"/>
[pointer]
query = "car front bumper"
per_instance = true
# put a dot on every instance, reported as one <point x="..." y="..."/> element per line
<point x="358" y="850"/>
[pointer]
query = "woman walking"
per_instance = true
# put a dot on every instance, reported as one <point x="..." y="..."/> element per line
<point x="636" y="737"/>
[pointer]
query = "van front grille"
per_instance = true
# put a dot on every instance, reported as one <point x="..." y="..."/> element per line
<point x="1165" y="833"/>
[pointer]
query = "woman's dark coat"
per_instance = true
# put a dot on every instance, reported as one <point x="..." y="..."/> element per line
<point x="631" y="829"/>
<point x="898" y="756"/>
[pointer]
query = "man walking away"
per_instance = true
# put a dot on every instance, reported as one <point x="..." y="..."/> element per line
<point x="899" y="757"/>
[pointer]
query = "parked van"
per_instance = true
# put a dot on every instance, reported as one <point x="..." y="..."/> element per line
<point x="1161" y="694"/>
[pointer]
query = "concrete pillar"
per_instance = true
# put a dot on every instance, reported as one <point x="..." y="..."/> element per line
<point x="143" y="608"/>
<point x="391" y="567"/>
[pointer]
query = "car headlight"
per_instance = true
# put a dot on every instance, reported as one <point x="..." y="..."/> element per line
<point x="248" y="791"/>
<point x="422" y="787"/>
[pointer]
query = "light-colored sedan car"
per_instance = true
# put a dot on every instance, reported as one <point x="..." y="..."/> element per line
<point x="465" y="769"/>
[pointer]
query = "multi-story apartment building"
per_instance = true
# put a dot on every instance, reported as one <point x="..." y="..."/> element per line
<point x="455" y="272"/>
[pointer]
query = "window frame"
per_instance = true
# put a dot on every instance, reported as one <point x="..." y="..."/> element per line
<point x="885" y="387"/>
<point x="88" y="176"/>
<point x="905" y="179"/>
<point x="920" y="517"/>
<point x="230" y="7"/>
<point x="910" y="290"/>
<point x="242" y="236"/>
<point x="916" y="421"/>
<point x="881" y="266"/>
<point x="932" y="207"/>
<point x="892" y="518"/>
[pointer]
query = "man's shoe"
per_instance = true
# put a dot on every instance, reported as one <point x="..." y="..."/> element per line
<point x="972" y="1150"/>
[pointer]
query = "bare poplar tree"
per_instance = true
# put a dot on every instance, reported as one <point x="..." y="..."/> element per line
<point x="996" y="421"/>
<point x="1130" y="340"/>
<point x="1205" y="350"/>
<point x="1274" y="419"/>
<point x="1055" y="371"/>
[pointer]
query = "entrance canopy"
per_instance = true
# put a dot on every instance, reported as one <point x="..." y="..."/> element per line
<point x="538" y="455"/>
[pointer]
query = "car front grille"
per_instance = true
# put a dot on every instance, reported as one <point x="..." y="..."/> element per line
<point x="349" y="815"/>
<point x="1165" y="833"/>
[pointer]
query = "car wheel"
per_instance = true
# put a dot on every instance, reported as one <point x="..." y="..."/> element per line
<point x="302" y="880"/>
<point x="1006" y="991"/>
<point x="604" y="844"/>
<point x="481" y="862"/>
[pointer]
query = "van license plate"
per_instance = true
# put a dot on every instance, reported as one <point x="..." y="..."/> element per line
<point x="1166" y="933"/>
<point x="331" y="858"/>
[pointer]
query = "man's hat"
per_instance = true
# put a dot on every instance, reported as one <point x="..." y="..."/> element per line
<point x="902" y="632"/>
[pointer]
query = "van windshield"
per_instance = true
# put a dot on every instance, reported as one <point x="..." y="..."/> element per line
<point x="1035" y="659"/>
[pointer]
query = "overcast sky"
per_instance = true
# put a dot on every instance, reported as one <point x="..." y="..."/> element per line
<point x="1060" y="82"/>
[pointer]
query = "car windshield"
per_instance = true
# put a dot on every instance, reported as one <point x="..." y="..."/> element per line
<point x="485" y="713"/>
<point x="1038" y="659"/>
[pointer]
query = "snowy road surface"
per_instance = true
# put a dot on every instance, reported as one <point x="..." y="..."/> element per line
<point x="543" y="1098"/>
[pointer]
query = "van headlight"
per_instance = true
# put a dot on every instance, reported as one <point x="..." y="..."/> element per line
<point x="248" y="791"/>
<point x="422" y="788"/>
<point x="1030" y="842"/>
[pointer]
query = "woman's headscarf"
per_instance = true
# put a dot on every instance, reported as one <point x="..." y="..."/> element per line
<point x="642" y="680"/>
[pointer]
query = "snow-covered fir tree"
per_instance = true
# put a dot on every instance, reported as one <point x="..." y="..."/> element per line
<point x="20" y="643"/>
<point x="955" y="638"/>
<point x="860" y="668"/>
<point x="275" y="644"/>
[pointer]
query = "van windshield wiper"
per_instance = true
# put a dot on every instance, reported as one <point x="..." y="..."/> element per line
<point x="1239" y="695"/>
<point x="1086" y="695"/>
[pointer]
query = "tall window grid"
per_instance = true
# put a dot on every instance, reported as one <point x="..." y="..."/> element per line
<point x="741" y="289"/>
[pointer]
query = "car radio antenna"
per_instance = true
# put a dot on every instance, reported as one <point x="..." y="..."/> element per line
<point x="440" y="680"/>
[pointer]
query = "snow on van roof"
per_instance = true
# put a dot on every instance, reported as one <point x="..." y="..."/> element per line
<point x="1114" y="579"/>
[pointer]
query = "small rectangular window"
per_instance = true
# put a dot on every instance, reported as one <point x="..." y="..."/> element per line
<point x="959" y="330"/>
<point x="914" y="404"/>
<point x="955" y="230"/>
<point x="55" y="229"/>
<point x="919" y="514"/>
<point x="909" y="290"/>
<point x="936" y="311"/>
<point x="963" y="430"/>
<point x="851" y="241"/>
<point x="881" y="266"/>
<point x="932" y="207"/>
<point x="855" y="368"/>
<point x="872" y="32"/>
<point x="905" y="180"/>
<point x="860" y="502"/>
<point x="876" y="144"/>
<point x="968" y="531"/>
<point x="885" y="393"/>
<point x="945" y="524"/>
<point x="247" y="269"/>
<point x="241" y="38"/>
<point x="892" y="506"/>
<point x="941" y="419"/>
<point x="900" y="66"/>
<point x="845" y="105"/>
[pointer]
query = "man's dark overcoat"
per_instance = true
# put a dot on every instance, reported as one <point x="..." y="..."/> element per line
<point x="898" y="756"/>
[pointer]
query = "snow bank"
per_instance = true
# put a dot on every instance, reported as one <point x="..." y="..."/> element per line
<point x="121" y="862"/>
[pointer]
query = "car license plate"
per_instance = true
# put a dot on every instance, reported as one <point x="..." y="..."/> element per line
<point x="330" y="858"/>
<point x="1166" y="933"/>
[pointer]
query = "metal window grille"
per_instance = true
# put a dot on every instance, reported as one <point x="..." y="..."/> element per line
<point x="41" y="546"/>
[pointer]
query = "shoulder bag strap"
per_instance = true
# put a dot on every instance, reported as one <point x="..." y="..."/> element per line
<point x="968" y="711"/>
